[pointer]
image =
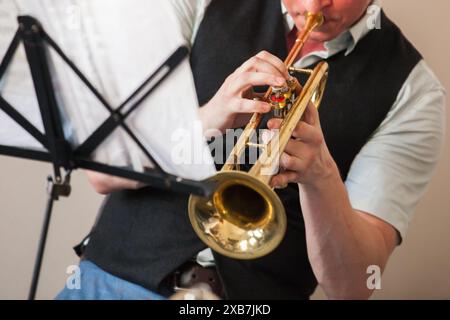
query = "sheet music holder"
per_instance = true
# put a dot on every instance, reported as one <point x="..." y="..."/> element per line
<point x="59" y="152"/>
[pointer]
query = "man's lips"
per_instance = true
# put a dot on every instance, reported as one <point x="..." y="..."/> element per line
<point x="327" y="20"/>
<point x="327" y="17"/>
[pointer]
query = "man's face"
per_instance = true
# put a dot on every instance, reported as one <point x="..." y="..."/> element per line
<point x="340" y="15"/>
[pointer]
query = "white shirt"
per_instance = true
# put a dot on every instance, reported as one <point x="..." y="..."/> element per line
<point x="116" y="63"/>
<point x="390" y="174"/>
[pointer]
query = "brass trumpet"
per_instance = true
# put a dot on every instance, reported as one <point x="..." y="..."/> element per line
<point x="244" y="218"/>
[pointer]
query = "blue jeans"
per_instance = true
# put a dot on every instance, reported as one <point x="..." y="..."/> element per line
<point x="96" y="284"/>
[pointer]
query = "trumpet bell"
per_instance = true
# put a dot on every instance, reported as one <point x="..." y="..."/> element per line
<point x="243" y="219"/>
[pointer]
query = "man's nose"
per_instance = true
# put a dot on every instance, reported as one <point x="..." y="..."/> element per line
<point x="315" y="6"/>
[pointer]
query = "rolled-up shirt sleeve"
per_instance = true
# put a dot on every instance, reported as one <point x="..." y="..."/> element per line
<point x="390" y="174"/>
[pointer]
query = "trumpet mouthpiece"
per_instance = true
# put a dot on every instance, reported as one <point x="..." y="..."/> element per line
<point x="318" y="18"/>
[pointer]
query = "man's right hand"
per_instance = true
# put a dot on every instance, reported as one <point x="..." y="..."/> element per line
<point x="231" y="107"/>
<point x="234" y="103"/>
<point x="106" y="184"/>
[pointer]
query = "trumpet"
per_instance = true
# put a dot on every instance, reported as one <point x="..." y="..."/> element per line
<point x="244" y="218"/>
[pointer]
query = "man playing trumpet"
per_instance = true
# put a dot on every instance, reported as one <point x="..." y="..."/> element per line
<point x="355" y="169"/>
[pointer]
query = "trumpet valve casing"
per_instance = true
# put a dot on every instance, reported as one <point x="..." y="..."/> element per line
<point x="282" y="98"/>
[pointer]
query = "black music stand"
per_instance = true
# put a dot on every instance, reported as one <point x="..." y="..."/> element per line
<point x="59" y="151"/>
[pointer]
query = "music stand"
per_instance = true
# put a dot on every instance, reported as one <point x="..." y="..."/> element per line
<point x="59" y="151"/>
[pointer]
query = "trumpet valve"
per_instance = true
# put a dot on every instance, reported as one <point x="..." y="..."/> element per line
<point x="292" y="83"/>
<point x="281" y="99"/>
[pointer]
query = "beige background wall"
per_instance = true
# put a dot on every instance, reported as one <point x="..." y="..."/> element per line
<point x="419" y="269"/>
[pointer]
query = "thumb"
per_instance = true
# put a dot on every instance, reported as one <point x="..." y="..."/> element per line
<point x="274" y="123"/>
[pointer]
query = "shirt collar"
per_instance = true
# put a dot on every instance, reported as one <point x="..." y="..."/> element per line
<point x="349" y="38"/>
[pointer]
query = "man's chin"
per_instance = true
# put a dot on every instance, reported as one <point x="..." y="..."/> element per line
<point x="321" y="36"/>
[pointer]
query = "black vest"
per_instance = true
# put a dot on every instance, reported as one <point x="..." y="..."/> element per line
<point x="143" y="235"/>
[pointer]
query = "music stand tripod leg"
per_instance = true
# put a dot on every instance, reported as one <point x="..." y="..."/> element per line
<point x="55" y="188"/>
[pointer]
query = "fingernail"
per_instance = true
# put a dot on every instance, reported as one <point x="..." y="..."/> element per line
<point x="271" y="124"/>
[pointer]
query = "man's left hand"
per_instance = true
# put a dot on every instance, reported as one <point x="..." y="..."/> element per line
<point x="306" y="159"/>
